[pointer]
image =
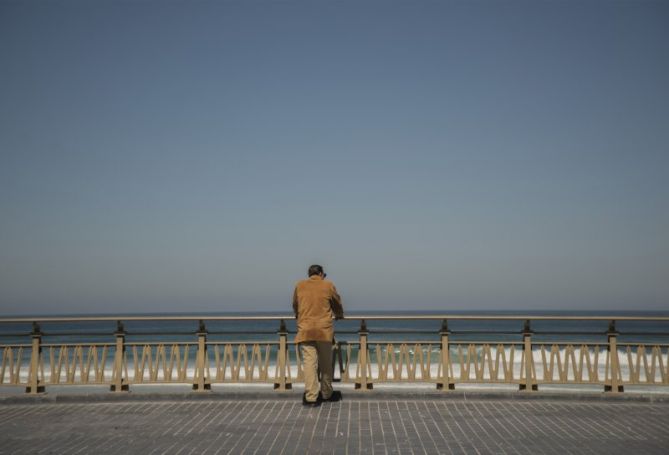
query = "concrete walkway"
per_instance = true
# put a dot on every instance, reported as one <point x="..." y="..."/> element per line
<point x="362" y="423"/>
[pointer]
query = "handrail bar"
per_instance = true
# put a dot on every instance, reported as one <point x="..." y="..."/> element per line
<point x="58" y="345"/>
<point x="353" y="342"/>
<point x="339" y="332"/>
<point x="350" y="318"/>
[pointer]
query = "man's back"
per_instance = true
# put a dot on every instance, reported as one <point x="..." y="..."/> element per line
<point x="316" y="302"/>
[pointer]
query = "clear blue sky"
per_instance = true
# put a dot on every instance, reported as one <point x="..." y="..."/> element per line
<point x="198" y="156"/>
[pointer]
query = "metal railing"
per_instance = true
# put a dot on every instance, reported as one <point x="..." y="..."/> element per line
<point x="202" y="350"/>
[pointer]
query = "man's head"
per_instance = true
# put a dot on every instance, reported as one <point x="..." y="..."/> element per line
<point x="316" y="270"/>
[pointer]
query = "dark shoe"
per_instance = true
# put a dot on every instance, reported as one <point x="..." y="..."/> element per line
<point x="336" y="396"/>
<point x="313" y="404"/>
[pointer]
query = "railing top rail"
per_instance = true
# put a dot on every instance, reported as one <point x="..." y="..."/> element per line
<point x="357" y="317"/>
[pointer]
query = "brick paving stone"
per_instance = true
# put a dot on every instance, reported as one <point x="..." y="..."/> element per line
<point x="378" y="426"/>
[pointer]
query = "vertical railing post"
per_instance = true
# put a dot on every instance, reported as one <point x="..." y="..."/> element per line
<point x="35" y="386"/>
<point x="283" y="384"/>
<point x="365" y="382"/>
<point x="200" y="382"/>
<point x="614" y="365"/>
<point x="445" y="382"/>
<point x="529" y="384"/>
<point x="119" y="383"/>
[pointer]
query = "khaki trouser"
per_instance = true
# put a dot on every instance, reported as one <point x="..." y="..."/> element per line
<point x="317" y="355"/>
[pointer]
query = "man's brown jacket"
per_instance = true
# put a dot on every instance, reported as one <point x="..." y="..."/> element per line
<point x="316" y="302"/>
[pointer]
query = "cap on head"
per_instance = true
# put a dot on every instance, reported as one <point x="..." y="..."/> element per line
<point x="315" y="270"/>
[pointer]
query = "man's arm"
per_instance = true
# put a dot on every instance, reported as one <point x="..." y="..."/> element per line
<point x="295" y="301"/>
<point x="335" y="304"/>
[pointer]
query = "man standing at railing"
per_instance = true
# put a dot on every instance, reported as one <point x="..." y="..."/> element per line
<point x="316" y="302"/>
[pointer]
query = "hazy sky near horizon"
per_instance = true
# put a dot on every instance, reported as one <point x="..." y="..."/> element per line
<point x="198" y="156"/>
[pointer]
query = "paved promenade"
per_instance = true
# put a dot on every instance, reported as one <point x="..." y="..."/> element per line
<point x="359" y="424"/>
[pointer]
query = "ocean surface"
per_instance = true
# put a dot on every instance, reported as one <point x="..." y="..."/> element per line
<point x="347" y="330"/>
